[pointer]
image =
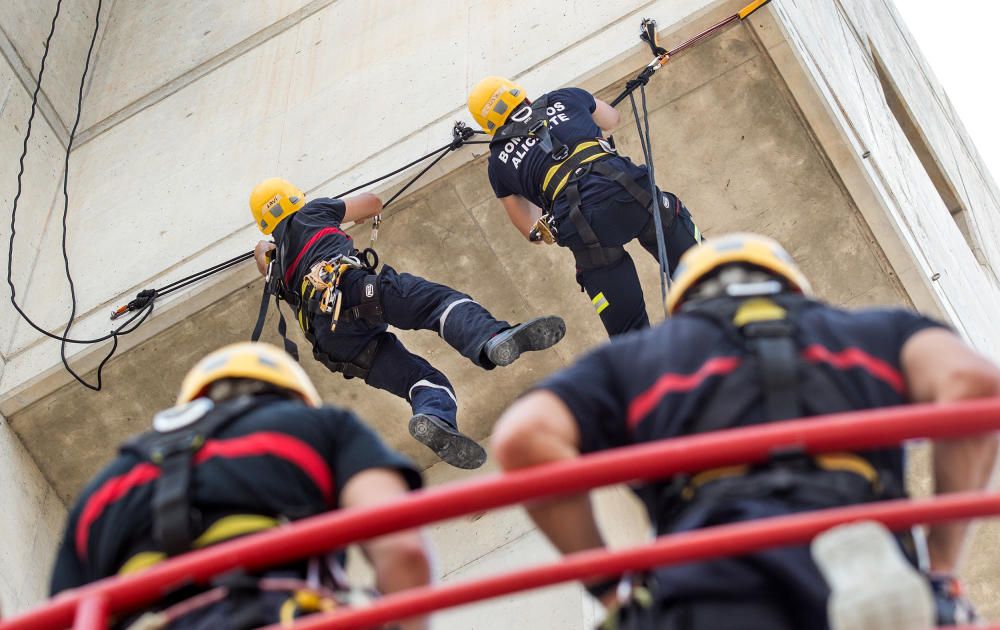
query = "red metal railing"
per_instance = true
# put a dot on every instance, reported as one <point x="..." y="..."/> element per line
<point x="90" y="605"/>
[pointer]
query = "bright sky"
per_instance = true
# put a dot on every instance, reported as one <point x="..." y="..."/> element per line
<point x="957" y="38"/>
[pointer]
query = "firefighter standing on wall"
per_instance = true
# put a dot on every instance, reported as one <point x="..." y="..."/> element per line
<point x="550" y="154"/>
<point x="248" y="446"/>
<point x="746" y="345"/>
<point x="352" y="336"/>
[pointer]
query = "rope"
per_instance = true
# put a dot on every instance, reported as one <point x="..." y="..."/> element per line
<point x="645" y="140"/>
<point x="64" y="338"/>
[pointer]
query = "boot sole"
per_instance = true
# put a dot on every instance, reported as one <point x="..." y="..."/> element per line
<point x="536" y="334"/>
<point x="872" y="585"/>
<point x="456" y="449"/>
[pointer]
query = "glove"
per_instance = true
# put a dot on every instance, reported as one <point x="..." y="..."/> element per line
<point x="953" y="609"/>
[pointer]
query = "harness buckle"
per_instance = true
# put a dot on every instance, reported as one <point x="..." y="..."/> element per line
<point x="579" y="173"/>
<point x="561" y="154"/>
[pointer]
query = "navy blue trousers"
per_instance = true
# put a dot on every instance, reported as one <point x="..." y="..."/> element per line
<point x="410" y="303"/>
<point x="614" y="289"/>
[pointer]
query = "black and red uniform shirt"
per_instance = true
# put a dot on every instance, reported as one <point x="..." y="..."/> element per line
<point x="650" y="385"/>
<point x="281" y="459"/>
<point x="310" y="235"/>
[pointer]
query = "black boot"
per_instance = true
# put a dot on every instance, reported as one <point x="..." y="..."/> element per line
<point x="451" y="445"/>
<point x="536" y="334"/>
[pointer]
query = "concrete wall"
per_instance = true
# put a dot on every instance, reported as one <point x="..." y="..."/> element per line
<point x="32" y="516"/>
<point x="827" y="58"/>
<point x="31" y="523"/>
<point x="829" y="64"/>
<point x="239" y="92"/>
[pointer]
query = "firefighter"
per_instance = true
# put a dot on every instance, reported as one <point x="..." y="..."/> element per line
<point x="345" y="306"/>
<point x="746" y="344"/>
<point x="248" y="446"/>
<point x="561" y="181"/>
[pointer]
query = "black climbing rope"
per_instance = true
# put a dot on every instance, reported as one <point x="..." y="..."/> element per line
<point x="661" y="56"/>
<point x="138" y="317"/>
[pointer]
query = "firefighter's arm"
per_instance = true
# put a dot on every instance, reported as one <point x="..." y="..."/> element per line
<point x="361" y="207"/>
<point x="940" y="367"/>
<point x="260" y="252"/>
<point x="401" y="560"/>
<point x="606" y="116"/>
<point x="539" y="429"/>
<point x="521" y="212"/>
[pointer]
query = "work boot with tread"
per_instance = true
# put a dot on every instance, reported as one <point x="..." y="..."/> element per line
<point x="536" y="334"/>
<point x="451" y="445"/>
<point x="872" y="585"/>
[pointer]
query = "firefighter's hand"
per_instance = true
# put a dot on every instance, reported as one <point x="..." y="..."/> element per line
<point x="260" y="255"/>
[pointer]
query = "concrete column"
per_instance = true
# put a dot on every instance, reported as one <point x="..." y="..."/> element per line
<point x="31" y="523"/>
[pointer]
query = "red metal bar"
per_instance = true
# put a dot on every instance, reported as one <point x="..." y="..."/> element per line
<point x="704" y="544"/>
<point x="848" y="431"/>
<point x="92" y="613"/>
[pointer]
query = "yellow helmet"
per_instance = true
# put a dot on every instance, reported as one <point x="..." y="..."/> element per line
<point x="750" y="249"/>
<point x="492" y="100"/>
<point x="274" y="200"/>
<point x="252" y="360"/>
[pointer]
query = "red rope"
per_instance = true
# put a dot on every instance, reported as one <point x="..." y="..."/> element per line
<point x="319" y="534"/>
<point x="703" y="544"/>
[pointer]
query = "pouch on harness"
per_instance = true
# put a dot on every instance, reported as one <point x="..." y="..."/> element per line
<point x="320" y="293"/>
<point x="572" y="163"/>
<point x="774" y="373"/>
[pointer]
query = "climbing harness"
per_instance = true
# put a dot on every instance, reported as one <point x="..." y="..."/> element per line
<point x="771" y="371"/>
<point x="179" y="433"/>
<point x="320" y="293"/>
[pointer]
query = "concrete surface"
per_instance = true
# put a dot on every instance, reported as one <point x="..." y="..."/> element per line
<point x="31" y="523"/>
<point x="830" y="52"/>
<point x="722" y="101"/>
<point x="762" y="129"/>
<point x="279" y="107"/>
<point x="24" y="25"/>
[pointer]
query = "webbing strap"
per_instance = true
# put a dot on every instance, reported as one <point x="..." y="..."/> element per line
<point x="174" y="519"/>
<point x="537" y="126"/>
<point x="370" y="307"/>
<point x="226" y="528"/>
<point x="289" y="345"/>
<point x="559" y="174"/>
<point x="583" y="227"/>
<point x="593" y="254"/>
<point x="773" y="344"/>
<point x="171" y="503"/>
<point x="641" y="194"/>
<point x="258" y="328"/>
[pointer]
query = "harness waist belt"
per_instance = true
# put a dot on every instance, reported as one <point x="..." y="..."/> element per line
<point x="226" y="528"/>
<point x="830" y="462"/>
<point x="559" y="174"/>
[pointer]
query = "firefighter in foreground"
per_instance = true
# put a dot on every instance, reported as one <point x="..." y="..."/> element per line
<point x="560" y="181"/>
<point x="344" y="308"/>
<point x="747" y="345"/>
<point x="248" y="446"/>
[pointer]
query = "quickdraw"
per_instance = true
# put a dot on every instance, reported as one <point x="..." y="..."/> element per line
<point x="321" y="286"/>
